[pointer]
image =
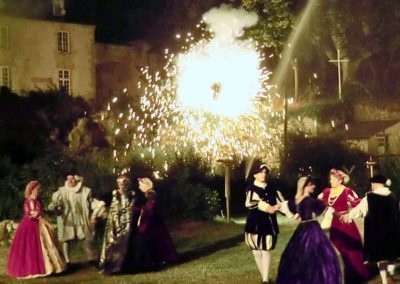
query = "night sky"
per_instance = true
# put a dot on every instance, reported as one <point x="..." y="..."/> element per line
<point x="122" y="21"/>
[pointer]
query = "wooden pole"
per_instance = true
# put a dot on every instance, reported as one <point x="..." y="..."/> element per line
<point x="370" y="166"/>
<point x="228" y="191"/>
<point x="228" y="164"/>
<point x="339" y="62"/>
<point x="296" y="82"/>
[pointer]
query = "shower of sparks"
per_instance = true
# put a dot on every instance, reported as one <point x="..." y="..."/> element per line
<point x="212" y="97"/>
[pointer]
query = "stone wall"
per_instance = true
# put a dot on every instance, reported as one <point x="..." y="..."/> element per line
<point x="34" y="60"/>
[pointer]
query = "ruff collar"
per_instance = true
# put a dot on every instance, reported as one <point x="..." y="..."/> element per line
<point x="384" y="191"/>
<point x="78" y="185"/>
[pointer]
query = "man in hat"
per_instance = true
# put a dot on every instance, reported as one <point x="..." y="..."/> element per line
<point x="76" y="212"/>
<point x="380" y="209"/>
<point x="261" y="229"/>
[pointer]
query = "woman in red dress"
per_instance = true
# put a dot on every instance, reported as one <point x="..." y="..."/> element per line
<point x="34" y="251"/>
<point x="345" y="236"/>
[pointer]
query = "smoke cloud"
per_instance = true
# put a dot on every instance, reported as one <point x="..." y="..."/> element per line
<point x="227" y="21"/>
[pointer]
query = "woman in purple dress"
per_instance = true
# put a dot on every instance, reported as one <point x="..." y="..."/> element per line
<point x="152" y="232"/>
<point x="34" y="251"/>
<point x="345" y="236"/>
<point x="309" y="257"/>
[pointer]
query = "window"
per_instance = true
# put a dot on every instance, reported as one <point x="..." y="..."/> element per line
<point x="5" y="76"/>
<point x="382" y="145"/>
<point x="3" y="37"/>
<point x="58" y="8"/>
<point x="63" y="41"/>
<point x="64" y="80"/>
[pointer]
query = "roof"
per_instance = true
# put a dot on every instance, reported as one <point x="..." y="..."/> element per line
<point x="366" y="129"/>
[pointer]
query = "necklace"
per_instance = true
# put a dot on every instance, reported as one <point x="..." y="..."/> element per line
<point x="334" y="195"/>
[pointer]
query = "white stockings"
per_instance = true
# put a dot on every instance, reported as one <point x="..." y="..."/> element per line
<point x="263" y="261"/>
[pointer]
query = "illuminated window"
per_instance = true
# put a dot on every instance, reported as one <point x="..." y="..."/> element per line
<point x="64" y="80"/>
<point x="382" y="145"/>
<point x="63" y="41"/>
<point x="5" y="76"/>
<point x="3" y="37"/>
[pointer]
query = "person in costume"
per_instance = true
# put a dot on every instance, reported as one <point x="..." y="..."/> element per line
<point x="34" y="250"/>
<point x="380" y="210"/>
<point x="309" y="256"/>
<point x="345" y="236"/>
<point x="261" y="229"/>
<point x="77" y="211"/>
<point x="117" y="253"/>
<point x="153" y="235"/>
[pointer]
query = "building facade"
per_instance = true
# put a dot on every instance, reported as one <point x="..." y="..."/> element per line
<point x="38" y="54"/>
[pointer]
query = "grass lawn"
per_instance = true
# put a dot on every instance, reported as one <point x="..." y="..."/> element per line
<point x="211" y="252"/>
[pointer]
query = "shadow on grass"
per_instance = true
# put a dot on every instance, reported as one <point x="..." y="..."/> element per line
<point x="209" y="249"/>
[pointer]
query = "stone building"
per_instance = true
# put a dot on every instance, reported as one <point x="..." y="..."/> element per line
<point x="42" y="51"/>
<point x="38" y="54"/>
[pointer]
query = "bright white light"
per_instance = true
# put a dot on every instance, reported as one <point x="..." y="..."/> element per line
<point x="221" y="77"/>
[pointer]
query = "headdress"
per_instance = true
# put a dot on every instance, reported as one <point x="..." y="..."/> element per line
<point x="32" y="185"/>
<point x="340" y="175"/>
<point x="146" y="182"/>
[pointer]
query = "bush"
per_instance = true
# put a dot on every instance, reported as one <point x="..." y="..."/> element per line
<point x="29" y="123"/>
<point x="316" y="156"/>
<point x="184" y="193"/>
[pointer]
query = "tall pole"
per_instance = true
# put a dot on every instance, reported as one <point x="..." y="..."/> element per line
<point x="227" y="163"/>
<point x="228" y="191"/>
<point x="285" y="121"/>
<point x="370" y="165"/>
<point x="296" y="82"/>
<point x="339" y="62"/>
<point x="339" y="76"/>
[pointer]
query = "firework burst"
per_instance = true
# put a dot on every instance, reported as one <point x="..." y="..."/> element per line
<point x="212" y="97"/>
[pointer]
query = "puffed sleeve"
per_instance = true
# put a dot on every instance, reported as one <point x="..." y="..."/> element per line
<point x="32" y="208"/>
<point x="252" y="199"/>
<point x="360" y="210"/>
<point x="98" y="207"/>
<point x="352" y="198"/>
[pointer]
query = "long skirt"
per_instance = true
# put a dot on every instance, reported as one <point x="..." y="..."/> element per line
<point x="347" y="239"/>
<point x="34" y="251"/>
<point x="309" y="258"/>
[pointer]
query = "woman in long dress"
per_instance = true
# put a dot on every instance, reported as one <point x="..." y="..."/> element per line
<point x="345" y="236"/>
<point x="309" y="256"/>
<point x="34" y="250"/>
<point x="153" y="235"/>
<point x="117" y="253"/>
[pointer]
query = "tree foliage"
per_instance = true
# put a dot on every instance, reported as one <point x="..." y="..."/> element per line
<point x="31" y="121"/>
<point x="367" y="34"/>
<point x="274" y="25"/>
